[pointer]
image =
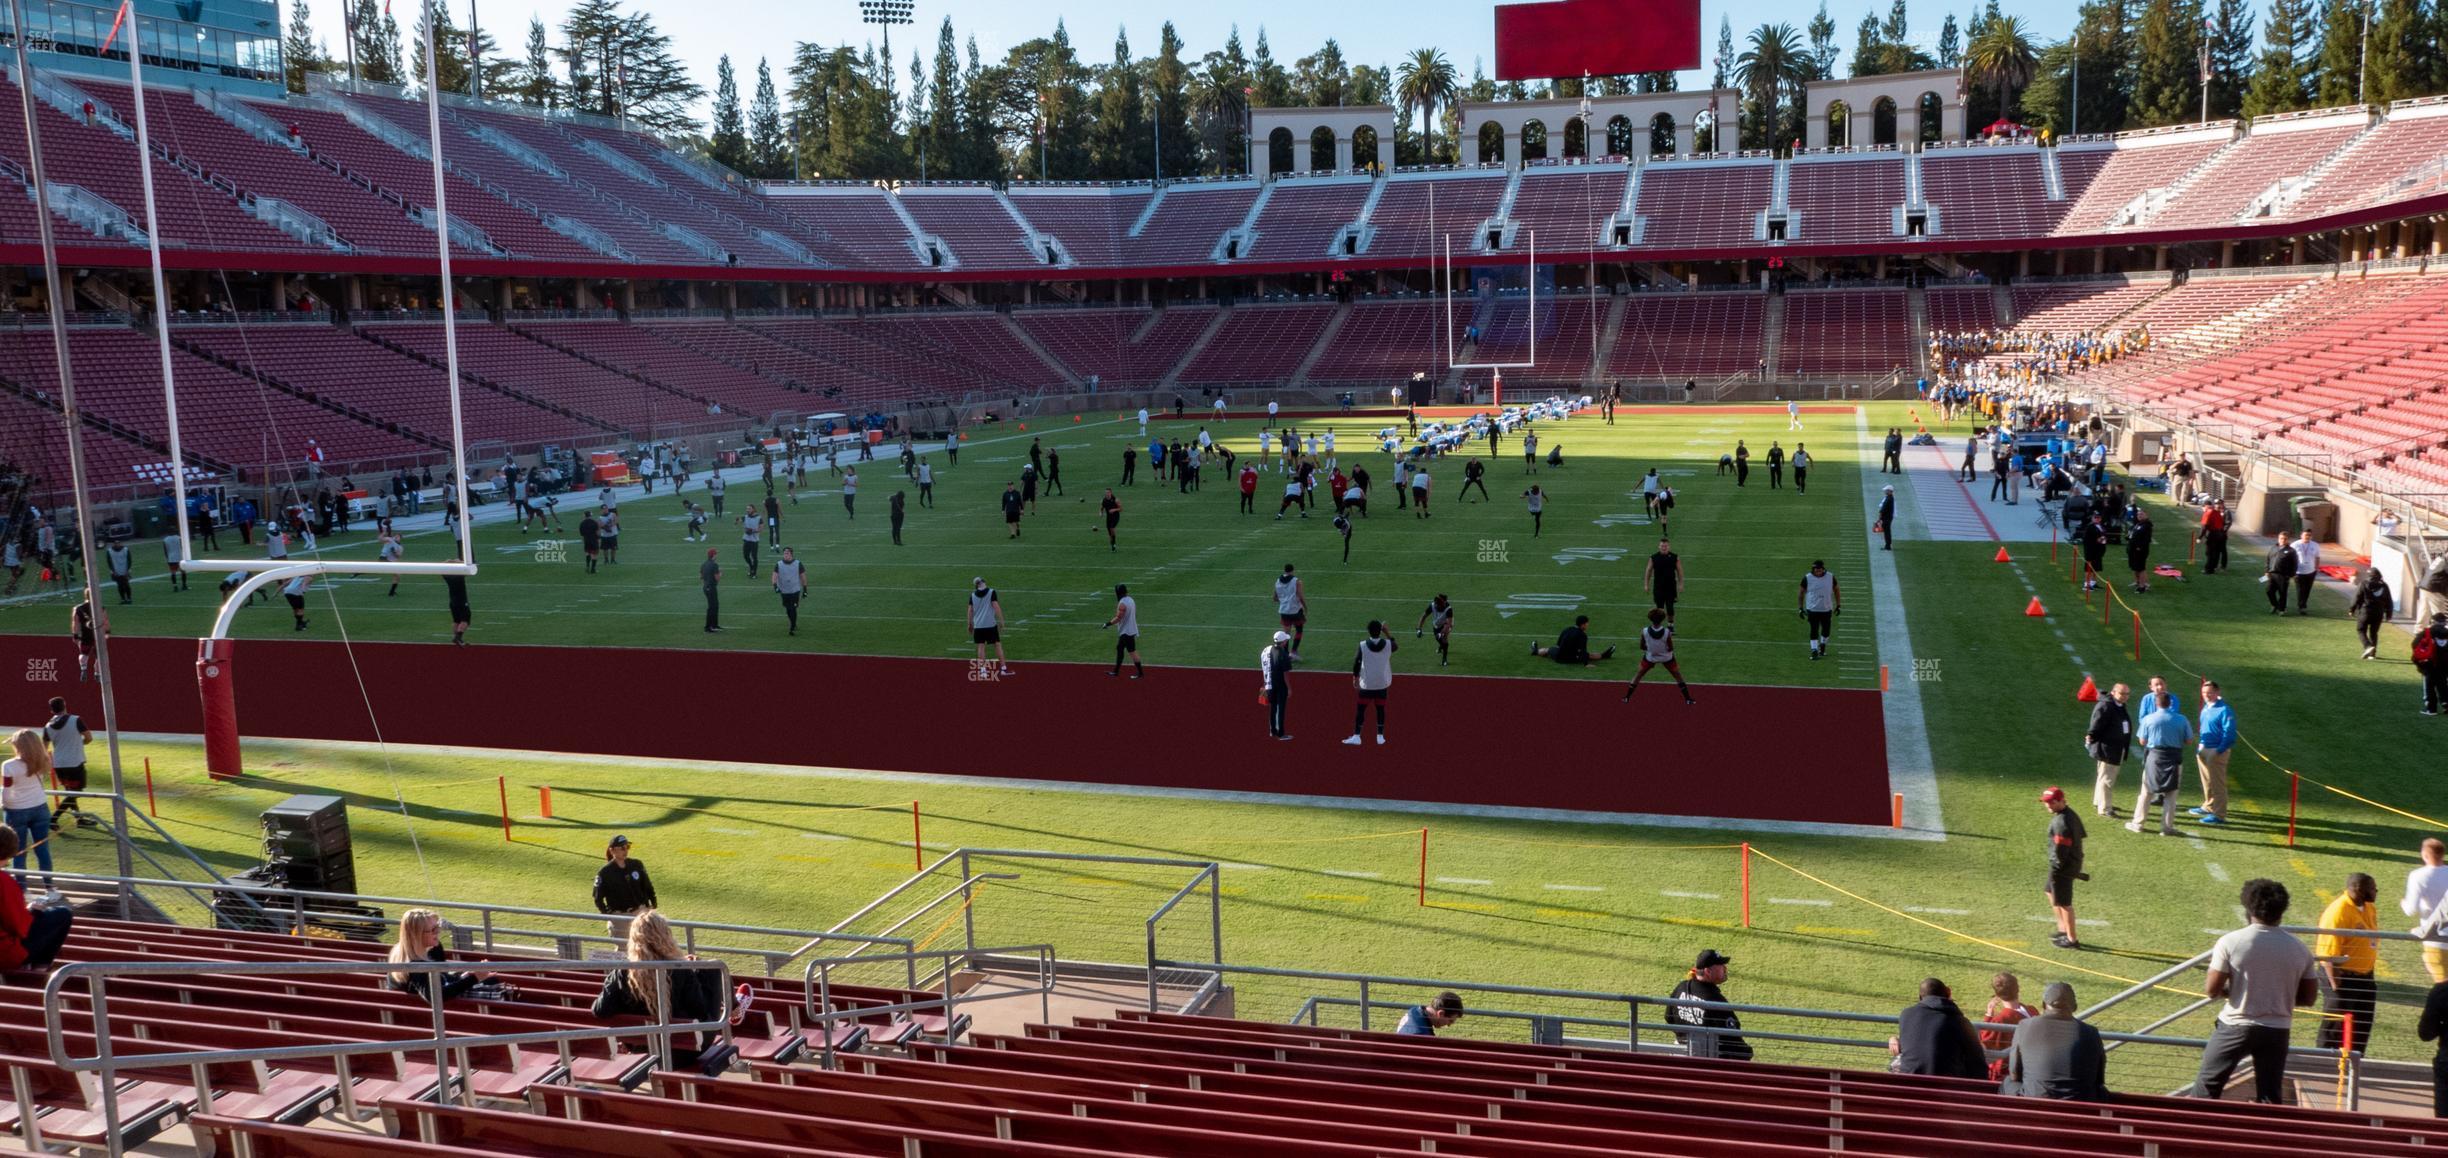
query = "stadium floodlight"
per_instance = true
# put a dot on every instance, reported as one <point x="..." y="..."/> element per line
<point x="888" y="11"/>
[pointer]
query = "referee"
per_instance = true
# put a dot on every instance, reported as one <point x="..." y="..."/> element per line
<point x="1821" y="601"/>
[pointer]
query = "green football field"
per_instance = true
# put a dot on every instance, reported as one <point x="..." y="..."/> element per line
<point x="1609" y="908"/>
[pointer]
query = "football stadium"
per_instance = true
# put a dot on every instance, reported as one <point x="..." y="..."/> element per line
<point x="451" y="461"/>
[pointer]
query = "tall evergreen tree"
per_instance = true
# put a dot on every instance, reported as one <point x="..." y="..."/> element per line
<point x="2337" y="69"/>
<point x="1321" y="79"/>
<point x="1869" y="48"/>
<point x="1274" y="85"/>
<point x="1950" y="44"/>
<point x="1168" y="99"/>
<point x="2398" y="52"/>
<point x="375" y="38"/>
<point x="2165" y="66"/>
<point x="728" y="144"/>
<point x="1118" y="142"/>
<point x="2281" y="78"/>
<point x="298" y="53"/>
<point x="620" y="65"/>
<point x="532" y="81"/>
<point x="1823" y="49"/>
<point x="1723" y="76"/>
<point x="450" y="63"/>
<point x="2231" y="56"/>
<point x="768" y="142"/>
<point x="981" y="151"/>
<point x="946" y="150"/>
<point x="1220" y="101"/>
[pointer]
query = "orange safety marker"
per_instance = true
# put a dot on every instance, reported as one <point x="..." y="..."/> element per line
<point x="149" y="808"/>
<point x="544" y="800"/>
<point x="2003" y="557"/>
<point x="1882" y="677"/>
<point x="2088" y="693"/>
<point x="917" y="836"/>
<point x="2035" y="610"/>
<point x="1896" y="816"/>
<point x="2137" y="616"/>
<point x="503" y="784"/>
<point x="1746" y="884"/>
<point x="1423" y="874"/>
<point x="2294" y="798"/>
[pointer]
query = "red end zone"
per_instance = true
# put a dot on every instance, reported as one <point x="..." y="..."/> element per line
<point x="1758" y="753"/>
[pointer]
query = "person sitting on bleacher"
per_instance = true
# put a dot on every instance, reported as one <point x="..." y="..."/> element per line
<point x="29" y="938"/>
<point x="696" y="994"/>
<point x="1708" y="973"/>
<point x="1934" y="1037"/>
<point x="1425" y="1020"/>
<point x="2056" y="1054"/>
<point x="420" y="939"/>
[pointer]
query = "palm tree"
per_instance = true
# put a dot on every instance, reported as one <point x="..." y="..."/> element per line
<point x="1424" y="81"/>
<point x="1774" y="65"/>
<point x="2002" y="54"/>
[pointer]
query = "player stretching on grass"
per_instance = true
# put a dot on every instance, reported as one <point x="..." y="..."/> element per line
<point x="1125" y="623"/>
<point x="1820" y="602"/>
<point x="1440" y="616"/>
<point x="1657" y="650"/>
<point x="1373" y="677"/>
<point x="1291" y="607"/>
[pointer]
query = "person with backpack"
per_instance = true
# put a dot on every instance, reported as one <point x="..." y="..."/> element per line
<point x="2431" y="659"/>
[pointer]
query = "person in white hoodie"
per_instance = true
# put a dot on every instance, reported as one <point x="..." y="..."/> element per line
<point x="1372" y="677"/>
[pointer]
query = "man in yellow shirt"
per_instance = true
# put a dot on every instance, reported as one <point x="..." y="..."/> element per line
<point x="2349" y="962"/>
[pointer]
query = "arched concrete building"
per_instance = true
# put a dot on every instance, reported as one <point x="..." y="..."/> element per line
<point x="1302" y="125"/>
<point x="1857" y="105"/>
<point x="1638" y="111"/>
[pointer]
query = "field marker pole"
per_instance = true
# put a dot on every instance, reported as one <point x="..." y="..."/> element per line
<point x="149" y="808"/>
<point x="917" y="839"/>
<point x="1896" y="817"/>
<point x="544" y="800"/>
<point x="1423" y="876"/>
<point x="2107" y="601"/>
<point x="2052" y="541"/>
<point x="2137" y="636"/>
<point x="2294" y="797"/>
<point x="1882" y="679"/>
<point x="503" y="784"/>
<point x="1746" y="884"/>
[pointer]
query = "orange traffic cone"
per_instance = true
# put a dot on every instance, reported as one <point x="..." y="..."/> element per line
<point x="1075" y="420"/>
<point x="2035" y="610"/>
<point x="2003" y="557"/>
<point x="2088" y="693"/>
<point x="1024" y="426"/>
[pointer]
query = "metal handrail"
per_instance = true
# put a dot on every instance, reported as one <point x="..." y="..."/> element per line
<point x="294" y="904"/>
<point x="817" y="981"/>
<point x="107" y="1062"/>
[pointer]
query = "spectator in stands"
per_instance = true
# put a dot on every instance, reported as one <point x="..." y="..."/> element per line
<point x="2372" y="607"/>
<point x="420" y="939"/>
<point x="2348" y="963"/>
<point x="2213" y="537"/>
<point x="2433" y="1026"/>
<point x="1704" y="983"/>
<point x="2006" y="1007"/>
<point x="24" y="779"/>
<point x="622" y="886"/>
<point x="2109" y="740"/>
<point x="2278" y="571"/>
<point x="2307" y="570"/>
<point x="2056" y="1054"/>
<point x="2260" y="974"/>
<point x="1425" y="1020"/>
<point x="29" y="938"/>
<point x="1933" y="1037"/>
<point x="695" y="994"/>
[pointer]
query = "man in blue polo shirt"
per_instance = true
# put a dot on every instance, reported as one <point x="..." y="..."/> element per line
<point x="1425" y="1020"/>
<point x="2161" y="735"/>
<point x="2218" y="740"/>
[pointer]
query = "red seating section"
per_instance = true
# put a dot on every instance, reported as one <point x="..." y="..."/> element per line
<point x="1118" y="346"/>
<point x="1260" y="345"/>
<point x="1568" y="207"/>
<point x="1845" y="333"/>
<point x="1302" y="218"/>
<point x="1670" y="337"/>
<point x="2100" y="181"/>
<point x="1415" y="217"/>
<point x="1089" y="221"/>
<point x="1385" y="343"/>
<point x="1852" y="200"/>
<point x="1987" y="193"/>
<point x="1961" y="309"/>
<point x="1717" y="203"/>
<point x="1188" y="221"/>
<point x="2225" y="188"/>
<point x="973" y="223"/>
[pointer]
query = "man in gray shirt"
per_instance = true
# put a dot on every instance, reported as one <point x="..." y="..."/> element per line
<point x="2056" y="1054"/>
<point x="710" y="573"/>
<point x="2261" y="975"/>
<point x="790" y="582"/>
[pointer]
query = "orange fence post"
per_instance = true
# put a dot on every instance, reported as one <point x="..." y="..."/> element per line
<point x="2137" y="637"/>
<point x="917" y="839"/>
<point x="1896" y="814"/>
<point x="2294" y="798"/>
<point x="149" y="808"/>
<point x="503" y="784"/>
<point x="1746" y="884"/>
<point x="1882" y="677"/>
<point x="2107" y="604"/>
<point x="544" y="800"/>
<point x="1423" y="876"/>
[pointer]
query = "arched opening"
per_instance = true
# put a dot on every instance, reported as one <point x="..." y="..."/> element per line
<point x="1321" y="150"/>
<point x="1704" y="131"/>
<point x="1839" y="124"/>
<point x="1576" y="138"/>
<point x="1662" y="135"/>
<point x="1534" y="141"/>
<point x="1279" y="151"/>
<point x="1932" y="112"/>
<point x="1364" y="147"/>
<point x="1491" y="142"/>
<point x="1619" y="136"/>
<point x="1883" y="121"/>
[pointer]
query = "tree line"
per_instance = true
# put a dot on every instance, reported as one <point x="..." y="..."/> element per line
<point x="1042" y="111"/>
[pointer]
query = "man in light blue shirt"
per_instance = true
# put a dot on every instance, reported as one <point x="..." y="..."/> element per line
<point x="2162" y="735"/>
<point x="2218" y="739"/>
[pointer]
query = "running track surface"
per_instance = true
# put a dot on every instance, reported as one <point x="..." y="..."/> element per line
<point x="1757" y="753"/>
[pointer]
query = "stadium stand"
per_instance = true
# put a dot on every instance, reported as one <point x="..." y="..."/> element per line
<point x="1301" y="220"/>
<point x="1849" y="201"/>
<point x="984" y="340"/>
<point x="971" y="220"/>
<point x="1568" y="207"/>
<point x="1384" y="342"/>
<point x="2102" y="178"/>
<point x="1703" y="203"/>
<point x="857" y="225"/>
<point x="1991" y="192"/>
<point x="97" y="160"/>
<point x="1669" y="337"/>
<point x="2079" y="306"/>
<point x="1962" y="309"/>
<point x="746" y="348"/>
<point x="1089" y="221"/>
<point x="656" y="383"/>
<point x="1118" y="346"/>
<point x="2415" y="134"/>
<point x="1845" y="332"/>
<point x="1259" y="344"/>
<point x="1188" y="222"/>
<point x="1567" y="325"/>
<point x="332" y="139"/>
<point x="1418" y="213"/>
<point x="2221" y="191"/>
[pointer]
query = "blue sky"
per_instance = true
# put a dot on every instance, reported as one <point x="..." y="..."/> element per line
<point x="1370" y="31"/>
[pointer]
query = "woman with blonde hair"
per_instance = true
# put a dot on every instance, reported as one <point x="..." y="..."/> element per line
<point x="24" y="780"/>
<point x="420" y="939"/>
<point x="696" y="994"/>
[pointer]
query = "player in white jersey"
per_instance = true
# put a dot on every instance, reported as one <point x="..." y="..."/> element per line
<point x="1372" y="677"/>
<point x="1291" y="607"/>
<point x="1820" y="602"/>
<point x="1658" y="650"/>
<point x="1125" y="624"/>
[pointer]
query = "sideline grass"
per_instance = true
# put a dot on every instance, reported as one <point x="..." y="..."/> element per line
<point x="2002" y="722"/>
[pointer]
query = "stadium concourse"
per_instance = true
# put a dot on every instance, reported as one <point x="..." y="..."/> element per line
<point x="1806" y="424"/>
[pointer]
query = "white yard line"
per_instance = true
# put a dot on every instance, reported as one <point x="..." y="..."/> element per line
<point x="1910" y="768"/>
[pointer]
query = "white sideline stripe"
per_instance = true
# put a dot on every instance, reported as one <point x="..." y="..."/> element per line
<point x="1244" y="868"/>
<point x="822" y="836"/>
<point x="1910" y="768"/>
<point x="1938" y="912"/>
<point x="1575" y="888"/>
<point x="1462" y="881"/>
<point x="883" y="776"/>
<point x="1813" y="901"/>
<point x="2217" y="871"/>
<point x="1688" y="896"/>
<point x="1354" y="875"/>
<point x="734" y="831"/>
<point x="2094" y="922"/>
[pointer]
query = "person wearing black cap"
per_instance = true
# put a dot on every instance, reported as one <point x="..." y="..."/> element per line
<point x="2065" y="859"/>
<point x="1707" y="973"/>
<point x="1425" y="1020"/>
<point x="622" y="886"/>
